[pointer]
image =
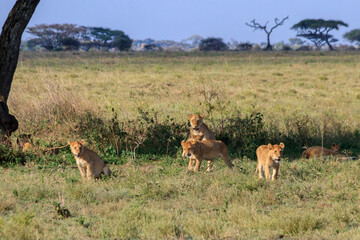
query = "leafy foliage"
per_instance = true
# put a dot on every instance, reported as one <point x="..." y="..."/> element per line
<point x="55" y="37"/>
<point x="122" y="41"/>
<point x="318" y="30"/>
<point x="212" y="44"/>
<point x="353" y="36"/>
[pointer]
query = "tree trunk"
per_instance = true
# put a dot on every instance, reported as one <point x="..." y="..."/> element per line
<point x="329" y="45"/>
<point x="268" y="46"/>
<point x="10" y="40"/>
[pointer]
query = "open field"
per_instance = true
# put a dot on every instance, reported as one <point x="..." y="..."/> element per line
<point x="313" y="199"/>
<point x="132" y="109"/>
<point x="303" y="97"/>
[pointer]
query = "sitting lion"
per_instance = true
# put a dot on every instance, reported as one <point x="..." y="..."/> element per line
<point x="88" y="162"/>
<point x="197" y="151"/>
<point x="198" y="128"/>
<point x="317" y="151"/>
<point x="269" y="156"/>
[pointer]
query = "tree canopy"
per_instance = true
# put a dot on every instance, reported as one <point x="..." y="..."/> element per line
<point x="318" y="30"/>
<point x="212" y="44"/>
<point x="353" y="36"/>
<point x="55" y="37"/>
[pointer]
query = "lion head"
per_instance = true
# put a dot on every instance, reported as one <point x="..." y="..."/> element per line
<point x="196" y="121"/>
<point x="76" y="147"/>
<point x="276" y="151"/>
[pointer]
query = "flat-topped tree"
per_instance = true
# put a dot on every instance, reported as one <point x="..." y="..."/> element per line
<point x="10" y="40"/>
<point x="318" y="31"/>
<point x="353" y="36"/>
<point x="257" y="26"/>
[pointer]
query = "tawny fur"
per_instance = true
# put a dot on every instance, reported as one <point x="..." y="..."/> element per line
<point x="209" y="150"/>
<point x="269" y="156"/>
<point x="198" y="128"/>
<point x="318" y="151"/>
<point x="89" y="163"/>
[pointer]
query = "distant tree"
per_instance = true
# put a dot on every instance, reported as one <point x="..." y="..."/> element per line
<point x="296" y="41"/>
<point x="10" y="40"/>
<point x="122" y="41"/>
<point x="244" y="46"/>
<point x="53" y="34"/>
<point x="70" y="44"/>
<point x="212" y="44"/>
<point x="101" y="35"/>
<point x="353" y="36"/>
<point x="33" y="43"/>
<point x="318" y="31"/>
<point x="193" y="40"/>
<point x="257" y="26"/>
<point x="105" y="37"/>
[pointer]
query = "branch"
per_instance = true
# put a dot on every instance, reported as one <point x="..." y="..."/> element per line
<point x="277" y="23"/>
<point x="256" y="25"/>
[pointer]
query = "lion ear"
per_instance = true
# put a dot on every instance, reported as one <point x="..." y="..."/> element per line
<point x="189" y="116"/>
<point x="69" y="142"/>
<point x="282" y="145"/>
<point x="270" y="146"/>
<point x="202" y="115"/>
<point x="182" y="143"/>
<point x="82" y="142"/>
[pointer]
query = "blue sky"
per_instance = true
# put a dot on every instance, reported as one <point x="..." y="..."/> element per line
<point x="179" y="19"/>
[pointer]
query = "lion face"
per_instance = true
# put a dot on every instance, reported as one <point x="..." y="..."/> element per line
<point x="276" y="151"/>
<point x="188" y="147"/>
<point x="196" y="121"/>
<point x="335" y="147"/>
<point x="76" y="147"/>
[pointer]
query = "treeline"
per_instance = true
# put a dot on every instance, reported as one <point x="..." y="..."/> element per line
<point x="57" y="37"/>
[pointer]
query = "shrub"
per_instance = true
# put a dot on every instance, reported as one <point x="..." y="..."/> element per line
<point x="212" y="44"/>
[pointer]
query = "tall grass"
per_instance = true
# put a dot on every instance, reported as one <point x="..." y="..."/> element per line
<point x="140" y="102"/>
<point x="132" y="108"/>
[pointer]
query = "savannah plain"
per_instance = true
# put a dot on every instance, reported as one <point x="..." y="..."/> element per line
<point x="132" y="109"/>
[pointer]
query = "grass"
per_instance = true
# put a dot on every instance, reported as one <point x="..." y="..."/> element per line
<point x="313" y="199"/>
<point x="139" y="102"/>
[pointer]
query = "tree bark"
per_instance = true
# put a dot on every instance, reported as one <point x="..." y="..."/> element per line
<point x="10" y="40"/>
<point x="268" y="47"/>
<point x="329" y="45"/>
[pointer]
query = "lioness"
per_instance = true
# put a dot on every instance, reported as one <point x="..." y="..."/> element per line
<point x="88" y="162"/>
<point x="269" y="156"/>
<point x="318" y="151"/>
<point x="197" y="151"/>
<point x="198" y="128"/>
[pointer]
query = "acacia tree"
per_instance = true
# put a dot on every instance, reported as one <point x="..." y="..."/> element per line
<point x="318" y="31"/>
<point x="257" y="26"/>
<point x="353" y="36"/>
<point x="10" y="40"/>
<point x="53" y="36"/>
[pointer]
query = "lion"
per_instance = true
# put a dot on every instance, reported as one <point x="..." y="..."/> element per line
<point x="88" y="162"/>
<point x="269" y="156"/>
<point x="198" y="128"/>
<point x="197" y="151"/>
<point x="318" y="151"/>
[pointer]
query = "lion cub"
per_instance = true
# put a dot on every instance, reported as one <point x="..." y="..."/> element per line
<point x="198" y="128"/>
<point x="269" y="156"/>
<point x="197" y="151"/>
<point x="88" y="162"/>
<point x="318" y="151"/>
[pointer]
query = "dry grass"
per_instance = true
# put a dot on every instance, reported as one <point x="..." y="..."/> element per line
<point x="278" y="85"/>
<point x="313" y="199"/>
